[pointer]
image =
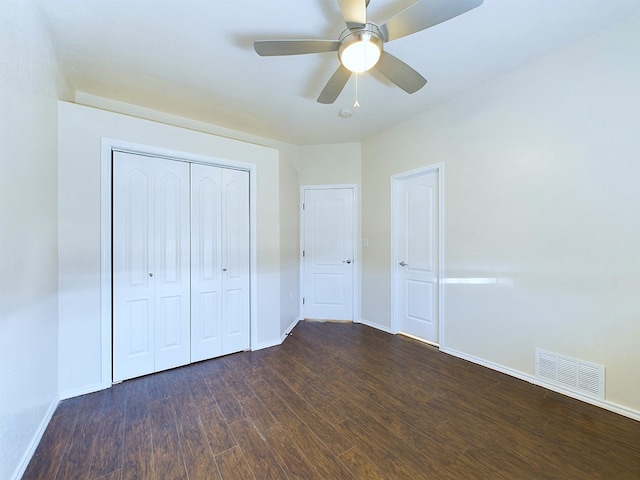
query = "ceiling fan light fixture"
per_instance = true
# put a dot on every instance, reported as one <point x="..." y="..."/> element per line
<point x="360" y="48"/>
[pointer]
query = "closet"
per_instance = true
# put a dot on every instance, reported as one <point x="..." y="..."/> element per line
<point x="180" y="263"/>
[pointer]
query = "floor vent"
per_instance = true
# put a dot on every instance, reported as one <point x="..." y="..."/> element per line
<point x="570" y="373"/>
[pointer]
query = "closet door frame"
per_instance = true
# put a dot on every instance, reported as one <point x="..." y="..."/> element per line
<point x="106" y="289"/>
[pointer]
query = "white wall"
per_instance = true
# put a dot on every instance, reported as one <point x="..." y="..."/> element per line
<point x="289" y="240"/>
<point x="543" y="193"/>
<point x="28" y="236"/>
<point x="329" y="164"/>
<point x="80" y="131"/>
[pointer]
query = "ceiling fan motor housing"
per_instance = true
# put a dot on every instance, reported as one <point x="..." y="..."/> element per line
<point x="360" y="47"/>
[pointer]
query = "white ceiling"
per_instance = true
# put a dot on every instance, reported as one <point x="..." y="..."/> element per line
<point x="195" y="58"/>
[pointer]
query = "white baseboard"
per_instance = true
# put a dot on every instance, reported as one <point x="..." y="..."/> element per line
<point x="613" y="407"/>
<point x="262" y="346"/>
<point x="288" y="330"/>
<point x="282" y="338"/>
<point x="373" y="325"/>
<point x="26" y="458"/>
<point x="76" y="392"/>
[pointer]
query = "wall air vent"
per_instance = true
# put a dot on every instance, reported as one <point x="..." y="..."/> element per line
<point x="575" y="375"/>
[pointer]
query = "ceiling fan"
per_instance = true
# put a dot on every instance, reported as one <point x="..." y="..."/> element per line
<point x="361" y="46"/>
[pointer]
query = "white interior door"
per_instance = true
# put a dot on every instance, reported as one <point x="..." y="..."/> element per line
<point x="151" y="304"/>
<point x="235" y="261"/>
<point x="171" y="273"/>
<point x="206" y="268"/>
<point x="220" y="261"/>
<point x="329" y="253"/>
<point x="133" y="261"/>
<point x="417" y="256"/>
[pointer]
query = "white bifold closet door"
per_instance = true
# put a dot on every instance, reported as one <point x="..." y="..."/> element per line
<point x="180" y="263"/>
<point x="151" y="282"/>
<point x="219" y="261"/>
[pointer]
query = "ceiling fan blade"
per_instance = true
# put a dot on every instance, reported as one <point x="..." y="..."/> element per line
<point x="334" y="86"/>
<point x="400" y="73"/>
<point x="354" y="12"/>
<point x="267" y="48"/>
<point x="425" y="14"/>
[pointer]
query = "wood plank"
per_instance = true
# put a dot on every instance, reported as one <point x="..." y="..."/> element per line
<point x="290" y="455"/>
<point x="395" y="459"/>
<point x="324" y="403"/>
<point x="276" y="406"/>
<point x="199" y="460"/>
<point x="361" y="466"/>
<point x="215" y="426"/>
<point x="108" y="427"/>
<point x="384" y="460"/>
<point x="227" y="401"/>
<point x="234" y="379"/>
<point x="255" y="448"/>
<point x="318" y="454"/>
<point x="168" y="460"/>
<point x="243" y="366"/>
<point x="258" y="414"/>
<point x="115" y="475"/>
<point x="138" y="446"/>
<point x="314" y="420"/>
<point x="233" y="465"/>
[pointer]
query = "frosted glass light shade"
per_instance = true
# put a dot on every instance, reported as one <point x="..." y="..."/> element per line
<point x="360" y="50"/>
<point x="360" y="56"/>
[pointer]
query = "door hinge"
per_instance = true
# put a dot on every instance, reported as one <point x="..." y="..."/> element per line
<point x="303" y="205"/>
<point x="302" y="253"/>
<point x="303" y="300"/>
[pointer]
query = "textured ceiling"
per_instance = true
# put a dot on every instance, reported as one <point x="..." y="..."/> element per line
<point x="195" y="58"/>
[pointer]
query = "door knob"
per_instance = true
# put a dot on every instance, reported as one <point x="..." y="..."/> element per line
<point x="346" y="261"/>
<point x="151" y="274"/>
<point x="403" y="264"/>
<point x="224" y="269"/>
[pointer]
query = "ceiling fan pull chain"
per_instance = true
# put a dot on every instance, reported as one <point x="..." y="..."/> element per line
<point x="356" y="104"/>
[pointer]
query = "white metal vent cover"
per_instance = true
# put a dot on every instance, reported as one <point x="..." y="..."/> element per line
<point x="581" y="377"/>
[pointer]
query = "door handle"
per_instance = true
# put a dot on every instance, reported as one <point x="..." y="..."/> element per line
<point x="346" y="261"/>
<point x="403" y="264"/>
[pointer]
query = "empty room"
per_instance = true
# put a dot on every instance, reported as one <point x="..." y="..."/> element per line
<point x="322" y="239"/>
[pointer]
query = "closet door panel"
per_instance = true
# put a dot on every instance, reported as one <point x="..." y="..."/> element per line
<point x="172" y="264"/>
<point x="235" y="260"/>
<point x="180" y="263"/>
<point x="206" y="268"/>
<point x="133" y="260"/>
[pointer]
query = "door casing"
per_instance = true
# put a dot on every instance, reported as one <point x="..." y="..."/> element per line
<point x="438" y="168"/>
<point x="106" y="290"/>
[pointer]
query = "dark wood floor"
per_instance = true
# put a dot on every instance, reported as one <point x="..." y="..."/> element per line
<point x="335" y="401"/>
